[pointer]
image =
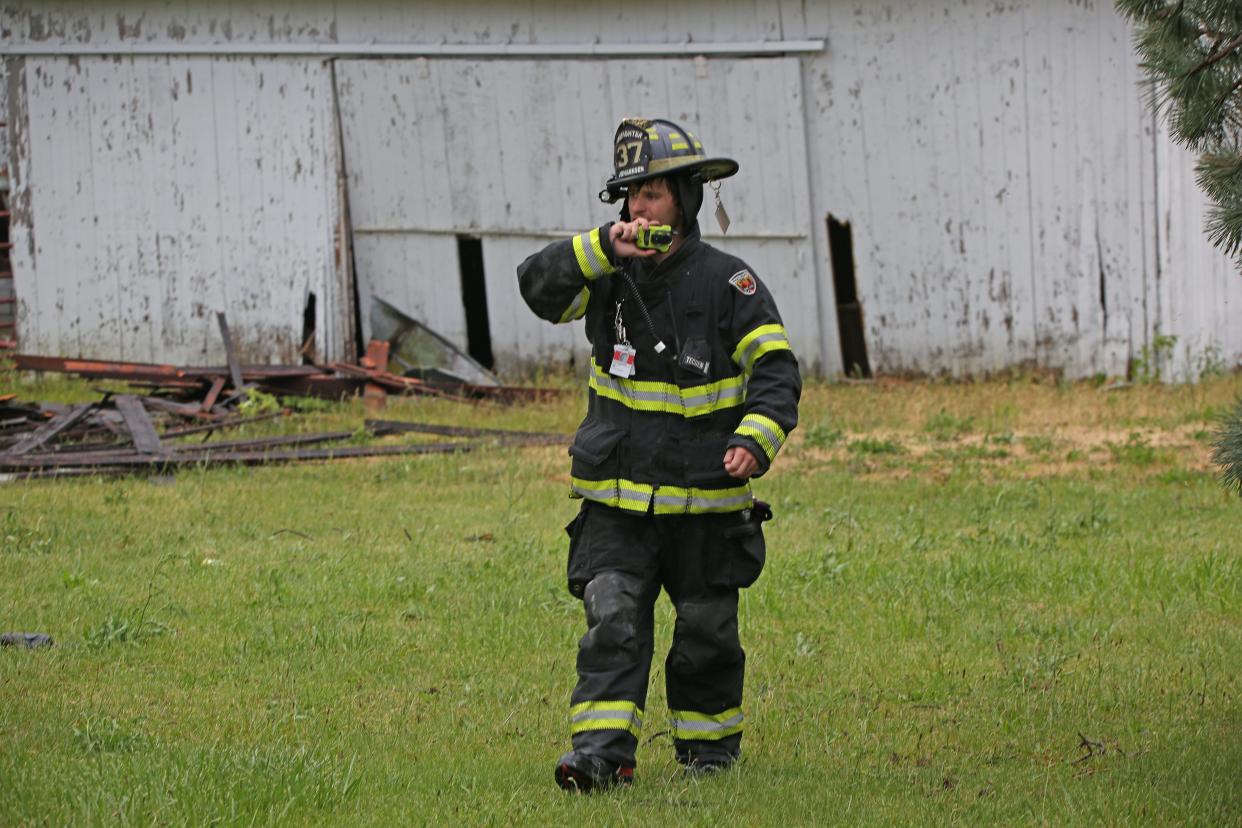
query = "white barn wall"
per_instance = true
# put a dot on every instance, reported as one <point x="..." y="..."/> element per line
<point x="156" y="191"/>
<point x="1010" y="198"/>
<point x="986" y="171"/>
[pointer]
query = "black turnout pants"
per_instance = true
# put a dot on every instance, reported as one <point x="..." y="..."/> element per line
<point x="618" y="562"/>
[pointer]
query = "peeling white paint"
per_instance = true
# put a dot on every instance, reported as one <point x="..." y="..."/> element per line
<point x="1011" y="200"/>
<point x="469" y="147"/>
<point x="162" y="190"/>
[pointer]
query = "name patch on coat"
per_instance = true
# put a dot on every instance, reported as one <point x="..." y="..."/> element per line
<point x="744" y="282"/>
<point x="695" y="364"/>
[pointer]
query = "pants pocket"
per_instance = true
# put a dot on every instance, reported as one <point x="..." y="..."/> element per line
<point x="743" y="552"/>
<point x="578" y="568"/>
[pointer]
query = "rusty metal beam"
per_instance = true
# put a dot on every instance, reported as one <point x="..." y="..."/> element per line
<point x="96" y="369"/>
<point x="221" y="424"/>
<point x="187" y="410"/>
<point x="204" y="455"/>
<point x="213" y="394"/>
<point x="252" y="372"/>
<point x="534" y="437"/>
<point x="324" y="386"/>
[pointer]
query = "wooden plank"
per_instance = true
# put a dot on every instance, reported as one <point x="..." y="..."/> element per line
<point x="234" y="366"/>
<point x="50" y="429"/>
<point x="139" y="424"/>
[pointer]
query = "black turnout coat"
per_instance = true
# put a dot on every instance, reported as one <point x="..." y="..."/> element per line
<point x="726" y="376"/>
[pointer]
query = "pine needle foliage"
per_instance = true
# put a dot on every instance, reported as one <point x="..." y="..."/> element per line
<point x="1192" y="53"/>
<point x="1227" y="449"/>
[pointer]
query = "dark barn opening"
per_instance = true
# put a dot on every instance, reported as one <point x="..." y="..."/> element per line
<point x="849" y="309"/>
<point x="308" y="329"/>
<point x="474" y="298"/>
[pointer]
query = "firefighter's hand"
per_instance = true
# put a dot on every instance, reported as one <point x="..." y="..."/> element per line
<point x="740" y="463"/>
<point x="621" y="234"/>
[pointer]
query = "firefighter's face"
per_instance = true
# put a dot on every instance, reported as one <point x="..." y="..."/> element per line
<point x="653" y="201"/>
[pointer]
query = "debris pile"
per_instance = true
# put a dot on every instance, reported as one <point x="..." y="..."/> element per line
<point x="127" y="434"/>
<point x="203" y="388"/>
<point x="146" y="432"/>
<point x="334" y="380"/>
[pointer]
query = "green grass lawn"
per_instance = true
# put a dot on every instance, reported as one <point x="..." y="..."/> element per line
<point x="1015" y="602"/>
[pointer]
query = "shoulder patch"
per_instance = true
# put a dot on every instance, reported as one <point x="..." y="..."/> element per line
<point x="744" y="282"/>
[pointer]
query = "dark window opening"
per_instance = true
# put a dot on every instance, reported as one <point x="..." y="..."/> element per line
<point x="360" y="347"/>
<point x="308" y="330"/>
<point x="849" y="309"/>
<point x="474" y="298"/>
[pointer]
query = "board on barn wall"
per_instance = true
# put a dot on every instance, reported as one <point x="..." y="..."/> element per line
<point x="158" y="190"/>
<point x="4" y="115"/>
<point x="514" y="153"/>
<point x="1199" y="288"/>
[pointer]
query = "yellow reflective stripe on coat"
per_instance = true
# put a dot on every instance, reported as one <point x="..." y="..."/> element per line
<point x="590" y="255"/>
<point x="606" y="715"/>
<point x="675" y="500"/>
<point x="577" y="308"/>
<point x="663" y="500"/>
<point x="763" y="430"/>
<point x="762" y="340"/>
<point x="620" y="494"/>
<point x="705" y="726"/>
<point x="667" y="398"/>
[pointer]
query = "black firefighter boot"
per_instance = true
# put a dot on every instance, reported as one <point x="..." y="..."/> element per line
<point x="584" y="773"/>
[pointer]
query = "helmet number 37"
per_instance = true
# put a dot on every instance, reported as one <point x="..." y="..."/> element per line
<point x="628" y="153"/>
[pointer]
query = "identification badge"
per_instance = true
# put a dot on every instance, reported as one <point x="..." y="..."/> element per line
<point x="622" y="361"/>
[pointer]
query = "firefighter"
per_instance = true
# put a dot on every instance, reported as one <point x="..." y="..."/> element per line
<point x="693" y="389"/>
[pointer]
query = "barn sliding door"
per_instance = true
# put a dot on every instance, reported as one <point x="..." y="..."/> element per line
<point x="514" y="152"/>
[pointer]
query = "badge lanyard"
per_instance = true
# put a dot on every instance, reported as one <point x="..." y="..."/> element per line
<point x="623" y="352"/>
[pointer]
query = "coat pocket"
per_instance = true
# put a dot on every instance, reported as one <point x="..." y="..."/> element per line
<point x="595" y="440"/>
<point x="705" y="460"/>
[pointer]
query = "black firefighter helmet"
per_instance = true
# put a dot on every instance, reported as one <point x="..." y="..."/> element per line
<point x="648" y="148"/>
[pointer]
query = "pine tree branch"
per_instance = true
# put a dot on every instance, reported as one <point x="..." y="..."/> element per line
<point x="1227" y="449"/>
<point x="1190" y="52"/>
<point x="1229" y="48"/>
<point x="1171" y="12"/>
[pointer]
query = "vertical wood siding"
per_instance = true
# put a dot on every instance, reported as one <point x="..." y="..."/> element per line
<point x="515" y="152"/>
<point x="160" y="190"/>
<point x="1011" y="199"/>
